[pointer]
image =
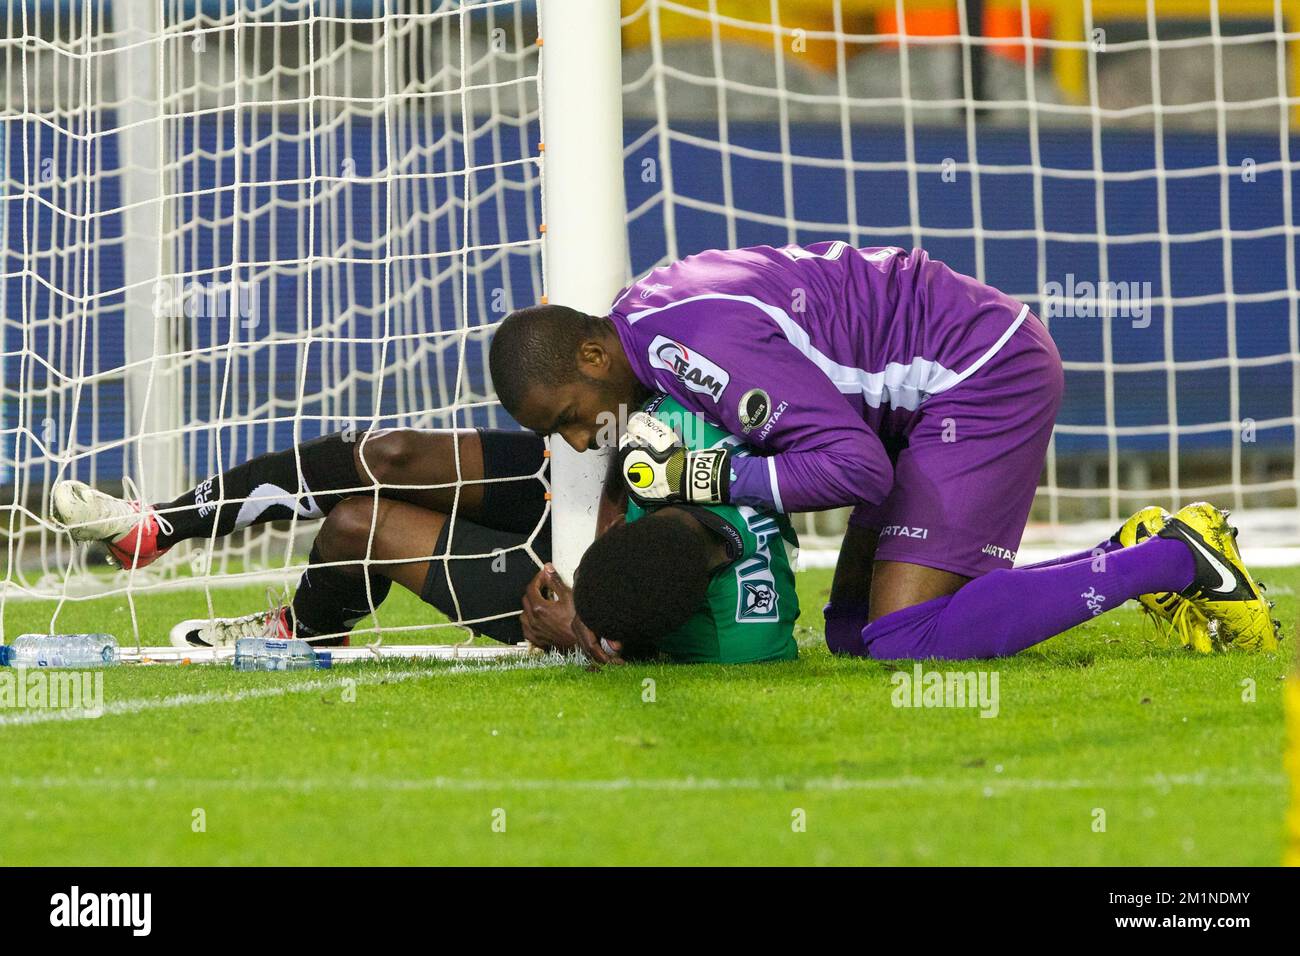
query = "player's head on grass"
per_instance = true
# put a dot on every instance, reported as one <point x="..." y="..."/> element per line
<point x="558" y="370"/>
<point x="642" y="580"/>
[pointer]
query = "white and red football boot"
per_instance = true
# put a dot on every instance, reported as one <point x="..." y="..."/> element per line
<point x="129" y="529"/>
<point x="225" y="631"/>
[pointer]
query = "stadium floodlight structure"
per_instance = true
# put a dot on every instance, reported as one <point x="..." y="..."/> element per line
<point x="230" y="225"/>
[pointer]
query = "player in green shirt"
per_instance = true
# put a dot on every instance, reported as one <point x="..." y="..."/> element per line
<point x="698" y="584"/>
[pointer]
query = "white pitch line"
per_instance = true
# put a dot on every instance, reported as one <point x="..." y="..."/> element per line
<point x="989" y="786"/>
<point x="142" y="704"/>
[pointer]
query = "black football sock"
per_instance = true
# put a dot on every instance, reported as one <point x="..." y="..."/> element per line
<point x="267" y="488"/>
<point x="331" y="599"/>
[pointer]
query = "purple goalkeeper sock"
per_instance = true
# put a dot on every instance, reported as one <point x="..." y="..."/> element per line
<point x="1106" y="546"/>
<point x="846" y="619"/>
<point x="1006" y="611"/>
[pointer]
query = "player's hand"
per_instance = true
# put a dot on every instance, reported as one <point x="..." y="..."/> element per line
<point x="548" y="611"/>
<point x="598" y="651"/>
<point x="551" y="621"/>
<point x="657" y="469"/>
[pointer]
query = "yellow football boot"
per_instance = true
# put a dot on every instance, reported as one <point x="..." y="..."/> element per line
<point x="1167" y="609"/>
<point x="1222" y="591"/>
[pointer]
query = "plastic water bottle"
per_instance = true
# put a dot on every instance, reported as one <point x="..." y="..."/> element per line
<point x="272" y="654"/>
<point x="60" y="650"/>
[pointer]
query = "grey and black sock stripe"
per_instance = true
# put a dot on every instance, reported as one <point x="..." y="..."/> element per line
<point x="266" y="488"/>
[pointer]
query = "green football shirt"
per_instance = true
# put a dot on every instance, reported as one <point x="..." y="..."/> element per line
<point x="751" y="604"/>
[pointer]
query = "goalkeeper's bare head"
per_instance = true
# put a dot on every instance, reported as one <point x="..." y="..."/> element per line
<point x="558" y="370"/>
<point x="645" y="579"/>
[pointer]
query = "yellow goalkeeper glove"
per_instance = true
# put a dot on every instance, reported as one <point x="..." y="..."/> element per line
<point x="657" y="469"/>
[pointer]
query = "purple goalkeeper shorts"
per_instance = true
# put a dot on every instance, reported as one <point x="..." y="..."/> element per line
<point x="965" y="480"/>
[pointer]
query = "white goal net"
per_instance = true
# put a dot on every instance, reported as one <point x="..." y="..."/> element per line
<point x="1124" y="167"/>
<point x="230" y="225"/>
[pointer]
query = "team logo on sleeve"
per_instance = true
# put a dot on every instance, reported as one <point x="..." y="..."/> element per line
<point x="759" y="600"/>
<point x="692" y="369"/>
<point x="755" y="409"/>
<point x="756" y="596"/>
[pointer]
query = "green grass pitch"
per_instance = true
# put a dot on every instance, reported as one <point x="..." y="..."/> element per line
<point x="1110" y="747"/>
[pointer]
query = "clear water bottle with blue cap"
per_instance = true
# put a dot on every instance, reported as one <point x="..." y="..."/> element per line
<point x="275" y="654"/>
<point x="60" y="650"/>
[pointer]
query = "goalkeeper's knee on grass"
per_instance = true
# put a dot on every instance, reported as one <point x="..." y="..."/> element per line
<point x="641" y="581"/>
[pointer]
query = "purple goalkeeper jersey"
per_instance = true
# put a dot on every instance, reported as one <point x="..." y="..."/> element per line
<point x="812" y="355"/>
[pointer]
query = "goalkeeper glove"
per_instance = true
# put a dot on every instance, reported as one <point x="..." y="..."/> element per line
<point x="657" y="469"/>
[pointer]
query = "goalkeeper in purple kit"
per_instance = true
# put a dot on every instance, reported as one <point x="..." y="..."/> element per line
<point x="882" y="380"/>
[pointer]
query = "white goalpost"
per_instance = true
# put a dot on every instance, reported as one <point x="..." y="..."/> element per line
<point x="586" y="240"/>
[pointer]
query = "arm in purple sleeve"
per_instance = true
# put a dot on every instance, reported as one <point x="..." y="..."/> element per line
<point x="817" y="460"/>
<point x="819" y="453"/>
